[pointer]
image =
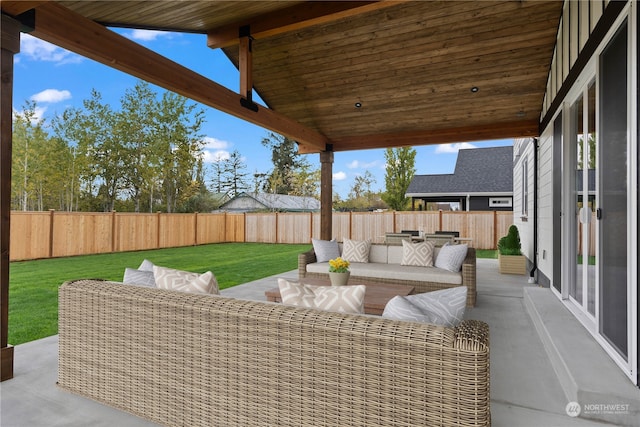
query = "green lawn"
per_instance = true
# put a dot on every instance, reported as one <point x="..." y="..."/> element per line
<point x="33" y="289"/>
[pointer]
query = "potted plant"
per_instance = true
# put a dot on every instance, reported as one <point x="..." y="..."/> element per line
<point x="339" y="271"/>
<point x="510" y="258"/>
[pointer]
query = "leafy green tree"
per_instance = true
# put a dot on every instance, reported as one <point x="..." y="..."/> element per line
<point x="177" y="140"/>
<point x="400" y="171"/>
<point x="361" y="196"/>
<point x="135" y="125"/>
<point x="286" y="161"/>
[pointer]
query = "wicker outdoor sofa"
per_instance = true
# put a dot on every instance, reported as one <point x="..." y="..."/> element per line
<point x="201" y="360"/>
<point x="384" y="267"/>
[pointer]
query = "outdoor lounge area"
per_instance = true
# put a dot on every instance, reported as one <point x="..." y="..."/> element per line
<point x="525" y="390"/>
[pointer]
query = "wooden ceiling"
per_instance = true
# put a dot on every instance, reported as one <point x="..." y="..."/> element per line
<point x="410" y="64"/>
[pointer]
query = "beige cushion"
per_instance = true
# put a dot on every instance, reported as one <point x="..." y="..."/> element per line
<point x="356" y="250"/>
<point x="419" y="254"/>
<point x="185" y="281"/>
<point x="342" y="299"/>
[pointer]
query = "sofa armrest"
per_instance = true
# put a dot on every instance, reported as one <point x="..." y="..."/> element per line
<point x="469" y="276"/>
<point x="305" y="258"/>
<point x="472" y="335"/>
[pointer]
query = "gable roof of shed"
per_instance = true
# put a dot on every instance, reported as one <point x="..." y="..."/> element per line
<point x="478" y="170"/>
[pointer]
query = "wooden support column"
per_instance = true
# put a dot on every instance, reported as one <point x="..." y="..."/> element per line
<point x="326" y="195"/>
<point x="245" y="66"/>
<point x="10" y="47"/>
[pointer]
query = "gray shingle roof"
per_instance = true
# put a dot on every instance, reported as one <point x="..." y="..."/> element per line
<point x="478" y="170"/>
<point x="251" y="201"/>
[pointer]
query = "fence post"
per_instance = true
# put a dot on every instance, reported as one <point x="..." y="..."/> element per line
<point x="311" y="225"/>
<point x="195" y="228"/>
<point x="158" y="230"/>
<point x="495" y="229"/>
<point x="113" y="230"/>
<point x="277" y="229"/>
<point x="440" y="219"/>
<point x="51" y="215"/>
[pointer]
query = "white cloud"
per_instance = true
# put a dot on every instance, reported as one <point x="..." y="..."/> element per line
<point x="453" y="148"/>
<point x="51" y="95"/>
<point x="357" y="164"/>
<point x="146" y="35"/>
<point x="40" y="50"/>
<point x="339" y="176"/>
<point x="215" y="144"/>
<point x="215" y="150"/>
<point x="211" y="156"/>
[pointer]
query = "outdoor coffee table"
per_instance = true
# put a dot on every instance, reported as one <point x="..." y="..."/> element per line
<point x="376" y="296"/>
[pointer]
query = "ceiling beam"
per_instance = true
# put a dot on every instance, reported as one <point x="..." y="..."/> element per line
<point x="71" y="31"/>
<point x="293" y="18"/>
<point x="15" y="8"/>
<point x="519" y="129"/>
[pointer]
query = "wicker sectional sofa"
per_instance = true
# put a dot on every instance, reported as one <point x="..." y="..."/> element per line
<point x="184" y="359"/>
<point x="384" y="266"/>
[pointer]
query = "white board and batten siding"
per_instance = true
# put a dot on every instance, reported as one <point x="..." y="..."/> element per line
<point x="523" y="216"/>
<point x="579" y="18"/>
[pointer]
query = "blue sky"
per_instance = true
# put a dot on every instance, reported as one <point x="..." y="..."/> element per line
<point x="57" y="79"/>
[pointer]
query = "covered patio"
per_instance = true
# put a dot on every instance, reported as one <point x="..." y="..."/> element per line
<point x="339" y="76"/>
<point x="335" y="76"/>
<point x="525" y="389"/>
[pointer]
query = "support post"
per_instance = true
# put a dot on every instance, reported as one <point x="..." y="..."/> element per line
<point x="326" y="194"/>
<point x="245" y="66"/>
<point x="10" y="46"/>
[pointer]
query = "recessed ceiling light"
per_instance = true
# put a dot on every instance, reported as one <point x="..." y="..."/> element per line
<point x="358" y="104"/>
<point x="520" y="113"/>
<point x="474" y="89"/>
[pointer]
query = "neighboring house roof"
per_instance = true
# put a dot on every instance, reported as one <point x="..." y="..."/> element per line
<point x="478" y="170"/>
<point x="246" y="202"/>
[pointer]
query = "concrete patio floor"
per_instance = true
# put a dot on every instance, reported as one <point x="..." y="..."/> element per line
<point x="526" y="390"/>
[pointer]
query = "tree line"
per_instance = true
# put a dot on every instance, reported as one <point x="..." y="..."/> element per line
<point x="148" y="156"/>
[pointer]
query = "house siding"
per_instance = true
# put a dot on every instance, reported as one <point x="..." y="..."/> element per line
<point x="523" y="152"/>
<point x="584" y="30"/>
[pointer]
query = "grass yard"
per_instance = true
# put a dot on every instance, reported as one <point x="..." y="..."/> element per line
<point x="33" y="285"/>
<point x="33" y="289"/>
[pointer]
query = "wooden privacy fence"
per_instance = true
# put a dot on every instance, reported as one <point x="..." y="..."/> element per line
<point x="51" y="234"/>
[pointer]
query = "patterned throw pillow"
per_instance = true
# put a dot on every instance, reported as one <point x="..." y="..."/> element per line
<point x="341" y="299"/>
<point x="325" y="249"/>
<point x="146" y="266"/>
<point x="177" y="280"/>
<point x="444" y="307"/>
<point x="451" y="257"/>
<point x="356" y="250"/>
<point x="139" y="277"/>
<point x="419" y="254"/>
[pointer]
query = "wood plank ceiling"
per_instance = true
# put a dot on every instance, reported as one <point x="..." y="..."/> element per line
<point x="410" y="64"/>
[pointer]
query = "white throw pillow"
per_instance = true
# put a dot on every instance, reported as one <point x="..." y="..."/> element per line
<point x="451" y="257"/>
<point x="419" y="254"/>
<point x="356" y="250"/>
<point x="325" y="249"/>
<point x="444" y="307"/>
<point x="146" y="266"/>
<point x="139" y="277"/>
<point x="185" y="281"/>
<point x="341" y="299"/>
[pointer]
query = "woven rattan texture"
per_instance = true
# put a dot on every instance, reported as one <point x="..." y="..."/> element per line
<point x="195" y="360"/>
<point x="468" y="276"/>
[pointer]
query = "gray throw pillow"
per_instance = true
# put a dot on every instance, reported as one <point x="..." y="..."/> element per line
<point x="146" y="266"/>
<point x="325" y="249"/>
<point x="444" y="307"/>
<point x="139" y="277"/>
<point x="451" y="257"/>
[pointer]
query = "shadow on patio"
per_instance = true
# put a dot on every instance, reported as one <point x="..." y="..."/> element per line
<point x="525" y="388"/>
